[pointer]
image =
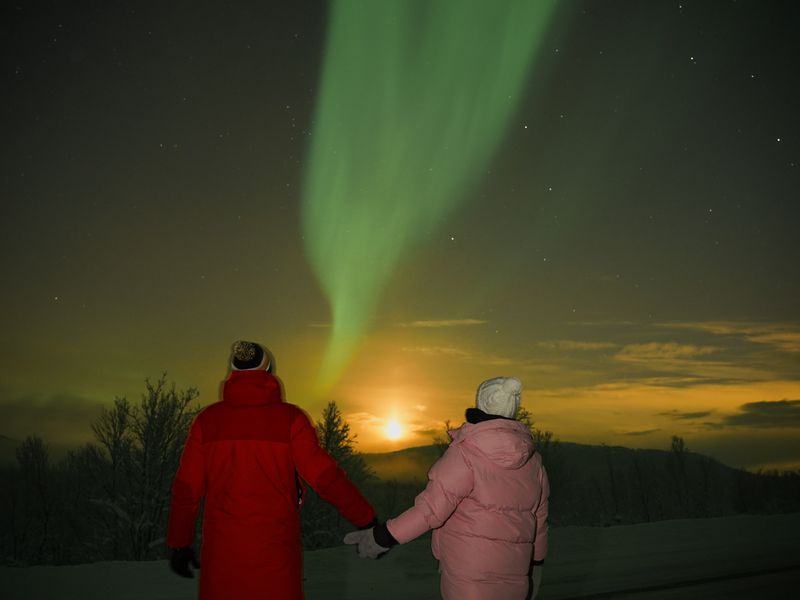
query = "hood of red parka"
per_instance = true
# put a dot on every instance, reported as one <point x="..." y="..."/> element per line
<point x="251" y="387"/>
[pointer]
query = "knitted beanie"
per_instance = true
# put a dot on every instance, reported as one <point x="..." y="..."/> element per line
<point x="499" y="396"/>
<point x="249" y="356"/>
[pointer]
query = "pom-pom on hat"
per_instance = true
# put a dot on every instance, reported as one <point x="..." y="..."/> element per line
<point x="249" y="356"/>
<point x="499" y="396"/>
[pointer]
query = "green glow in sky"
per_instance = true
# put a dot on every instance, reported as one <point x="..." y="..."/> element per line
<point x="414" y="100"/>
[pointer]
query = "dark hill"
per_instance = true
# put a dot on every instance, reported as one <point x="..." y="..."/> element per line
<point x="409" y="464"/>
<point x="606" y="485"/>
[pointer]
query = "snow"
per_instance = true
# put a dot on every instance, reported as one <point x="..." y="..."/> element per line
<point x="727" y="557"/>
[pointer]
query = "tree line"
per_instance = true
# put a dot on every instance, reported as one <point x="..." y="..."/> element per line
<point x="612" y="485"/>
<point x="109" y="499"/>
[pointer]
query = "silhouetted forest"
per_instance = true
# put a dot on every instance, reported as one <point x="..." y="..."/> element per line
<point x="109" y="499"/>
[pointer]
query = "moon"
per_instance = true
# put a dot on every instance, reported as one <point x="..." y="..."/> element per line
<point x="393" y="430"/>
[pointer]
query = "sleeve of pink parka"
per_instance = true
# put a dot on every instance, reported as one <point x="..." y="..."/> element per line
<point x="540" y="512"/>
<point x="187" y="489"/>
<point x="449" y="481"/>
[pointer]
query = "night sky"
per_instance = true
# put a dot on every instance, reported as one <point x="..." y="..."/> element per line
<point x="630" y="250"/>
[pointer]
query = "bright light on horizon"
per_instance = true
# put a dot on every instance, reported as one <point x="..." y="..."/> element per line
<point x="393" y="430"/>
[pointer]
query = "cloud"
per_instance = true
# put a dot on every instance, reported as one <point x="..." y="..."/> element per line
<point x="687" y="416"/>
<point x="713" y="426"/>
<point x="786" y="341"/>
<point x="483" y="358"/>
<point x="767" y="414"/>
<point x="639" y="433"/>
<point x="430" y="432"/>
<point x="655" y="351"/>
<point x="460" y="353"/>
<point x="575" y="345"/>
<point x="676" y="381"/>
<point x="688" y="360"/>
<point x="781" y="336"/>
<point x="363" y="418"/>
<point x="607" y="322"/>
<point x="58" y="418"/>
<point x="440" y="351"/>
<point x="590" y="413"/>
<point x="433" y="324"/>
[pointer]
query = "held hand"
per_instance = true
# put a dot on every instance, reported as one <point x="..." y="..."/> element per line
<point x="179" y="561"/>
<point x="365" y="543"/>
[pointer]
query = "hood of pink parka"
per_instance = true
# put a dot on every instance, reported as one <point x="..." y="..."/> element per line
<point x="506" y="443"/>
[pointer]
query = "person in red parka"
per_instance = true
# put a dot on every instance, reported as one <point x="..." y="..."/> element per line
<point x="246" y="455"/>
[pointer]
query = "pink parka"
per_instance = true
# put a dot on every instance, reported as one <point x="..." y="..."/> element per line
<point x="487" y="501"/>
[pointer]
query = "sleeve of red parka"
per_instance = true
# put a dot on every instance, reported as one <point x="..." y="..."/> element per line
<point x="187" y="489"/>
<point x="321" y="472"/>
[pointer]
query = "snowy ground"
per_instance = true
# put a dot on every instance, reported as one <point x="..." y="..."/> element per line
<point x="732" y="557"/>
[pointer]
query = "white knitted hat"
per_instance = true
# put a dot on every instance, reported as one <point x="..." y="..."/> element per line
<point x="499" y="396"/>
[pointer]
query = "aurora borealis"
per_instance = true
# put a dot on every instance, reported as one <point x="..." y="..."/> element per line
<point x="621" y="235"/>
<point x="414" y="98"/>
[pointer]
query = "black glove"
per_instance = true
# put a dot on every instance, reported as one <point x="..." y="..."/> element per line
<point x="179" y="561"/>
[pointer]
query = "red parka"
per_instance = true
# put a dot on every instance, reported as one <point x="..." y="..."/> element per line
<point x="243" y="454"/>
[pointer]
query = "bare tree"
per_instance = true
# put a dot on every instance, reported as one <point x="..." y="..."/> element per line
<point x="548" y="446"/>
<point x="543" y="440"/>
<point x="612" y="483"/>
<point x="643" y="486"/>
<point x="442" y="439"/>
<point x="142" y="444"/>
<point x="34" y="505"/>
<point x="677" y="465"/>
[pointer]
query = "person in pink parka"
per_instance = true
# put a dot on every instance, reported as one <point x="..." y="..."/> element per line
<point x="486" y="501"/>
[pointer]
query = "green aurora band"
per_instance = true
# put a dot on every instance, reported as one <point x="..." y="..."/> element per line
<point x="415" y="97"/>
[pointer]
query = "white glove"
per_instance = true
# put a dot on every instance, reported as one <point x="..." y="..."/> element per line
<point x="367" y="547"/>
<point x="536" y="581"/>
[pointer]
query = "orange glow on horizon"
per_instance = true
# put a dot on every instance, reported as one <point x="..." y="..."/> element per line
<point x="399" y="392"/>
